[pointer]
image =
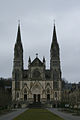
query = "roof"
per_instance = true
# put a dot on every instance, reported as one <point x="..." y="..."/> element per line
<point x="36" y="62"/>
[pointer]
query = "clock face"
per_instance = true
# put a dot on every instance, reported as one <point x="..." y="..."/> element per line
<point x="36" y="74"/>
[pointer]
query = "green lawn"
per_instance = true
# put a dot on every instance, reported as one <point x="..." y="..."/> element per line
<point x="37" y="114"/>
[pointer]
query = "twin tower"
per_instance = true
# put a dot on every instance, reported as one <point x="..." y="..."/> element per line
<point x="36" y="84"/>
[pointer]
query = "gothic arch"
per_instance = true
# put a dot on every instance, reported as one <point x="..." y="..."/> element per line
<point x="36" y="73"/>
<point x="48" y="91"/>
<point x="48" y="88"/>
<point x="25" y="91"/>
<point x="48" y="85"/>
<point x="37" y="88"/>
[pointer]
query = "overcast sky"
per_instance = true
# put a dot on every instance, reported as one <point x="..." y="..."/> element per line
<point x="36" y="18"/>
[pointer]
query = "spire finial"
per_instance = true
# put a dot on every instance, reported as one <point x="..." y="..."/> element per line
<point x="36" y="55"/>
<point x="54" y="38"/>
<point x="19" y="22"/>
<point x="18" y="33"/>
<point x="54" y="22"/>
<point x="43" y="59"/>
<point x="29" y="60"/>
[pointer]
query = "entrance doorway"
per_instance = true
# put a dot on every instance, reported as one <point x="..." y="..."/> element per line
<point x="48" y="97"/>
<point x="34" y="97"/>
<point x="38" y="97"/>
<point x="25" y="97"/>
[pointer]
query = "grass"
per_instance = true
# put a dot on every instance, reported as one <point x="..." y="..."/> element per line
<point x="37" y="114"/>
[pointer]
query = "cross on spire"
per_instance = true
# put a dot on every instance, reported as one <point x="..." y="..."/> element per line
<point x="18" y="22"/>
<point x="36" y="55"/>
<point x="54" y="21"/>
<point x="18" y="33"/>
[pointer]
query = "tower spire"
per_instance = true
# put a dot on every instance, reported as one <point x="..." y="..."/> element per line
<point x="29" y="60"/>
<point x="54" y="37"/>
<point x="18" y="49"/>
<point x="54" y="33"/>
<point x="18" y="33"/>
<point x="54" y="51"/>
<point x="18" y="39"/>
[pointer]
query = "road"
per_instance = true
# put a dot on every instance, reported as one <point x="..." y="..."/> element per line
<point x="65" y="116"/>
<point x="12" y="115"/>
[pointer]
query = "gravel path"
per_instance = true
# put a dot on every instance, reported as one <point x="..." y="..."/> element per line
<point x="65" y="116"/>
<point x="12" y="115"/>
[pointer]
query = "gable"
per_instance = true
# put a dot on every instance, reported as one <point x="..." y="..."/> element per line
<point x="36" y="62"/>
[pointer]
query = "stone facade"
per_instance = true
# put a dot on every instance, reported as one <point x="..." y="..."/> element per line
<point x="36" y="84"/>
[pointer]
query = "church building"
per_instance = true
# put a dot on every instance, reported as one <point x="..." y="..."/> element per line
<point x="36" y="84"/>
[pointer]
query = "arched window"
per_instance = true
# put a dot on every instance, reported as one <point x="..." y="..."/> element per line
<point x="25" y="91"/>
<point x="48" y="84"/>
<point x="25" y="94"/>
<point x="36" y="74"/>
<point x="48" y="91"/>
<point x="48" y="94"/>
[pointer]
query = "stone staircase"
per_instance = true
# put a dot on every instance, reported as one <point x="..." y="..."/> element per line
<point x="36" y="105"/>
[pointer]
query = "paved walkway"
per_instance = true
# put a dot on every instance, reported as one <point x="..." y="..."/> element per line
<point x="65" y="116"/>
<point x="12" y="115"/>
